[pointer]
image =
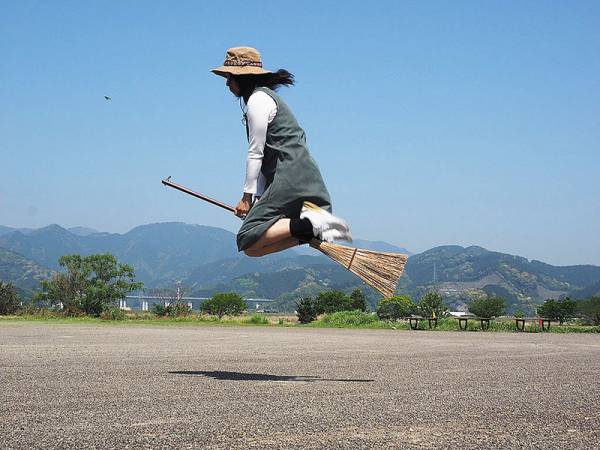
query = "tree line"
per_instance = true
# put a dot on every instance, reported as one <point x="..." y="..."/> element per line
<point x="393" y="308"/>
<point x="431" y="305"/>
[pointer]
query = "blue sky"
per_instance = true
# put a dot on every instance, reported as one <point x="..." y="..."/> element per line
<point x="470" y="123"/>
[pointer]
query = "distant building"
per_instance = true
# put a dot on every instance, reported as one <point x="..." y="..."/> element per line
<point x="459" y="313"/>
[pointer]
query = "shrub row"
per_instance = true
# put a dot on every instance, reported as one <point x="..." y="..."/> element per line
<point x="432" y="305"/>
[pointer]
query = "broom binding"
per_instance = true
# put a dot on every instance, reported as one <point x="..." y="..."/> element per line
<point x="352" y="259"/>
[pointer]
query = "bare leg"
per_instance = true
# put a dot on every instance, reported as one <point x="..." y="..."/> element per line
<point x="273" y="248"/>
<point x="278" y="231"/>
<point x="275" y="239"/>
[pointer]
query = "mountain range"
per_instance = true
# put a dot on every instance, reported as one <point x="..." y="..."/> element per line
<point x="205" y="260"/>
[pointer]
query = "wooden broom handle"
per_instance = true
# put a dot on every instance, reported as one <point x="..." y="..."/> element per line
<point x="167" y="182"/>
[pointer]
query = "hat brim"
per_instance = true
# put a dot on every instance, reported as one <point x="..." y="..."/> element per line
<point x="239" y="70"/>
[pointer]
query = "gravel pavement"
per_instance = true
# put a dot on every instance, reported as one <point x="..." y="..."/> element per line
<point x="146" y="386"/>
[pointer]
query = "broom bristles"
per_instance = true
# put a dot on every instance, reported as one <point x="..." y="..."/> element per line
<point x="380" y="270"/>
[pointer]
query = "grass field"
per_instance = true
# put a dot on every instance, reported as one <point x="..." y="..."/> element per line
<point x="344" y="319"/>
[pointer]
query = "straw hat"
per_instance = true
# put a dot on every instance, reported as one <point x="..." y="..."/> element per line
<point x="241" y="61"/>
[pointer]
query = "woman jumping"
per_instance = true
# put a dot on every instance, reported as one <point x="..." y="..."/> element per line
<point x="285" y="201"/>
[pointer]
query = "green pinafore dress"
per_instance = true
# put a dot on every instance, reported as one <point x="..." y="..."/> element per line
<point x="292" y="176"/>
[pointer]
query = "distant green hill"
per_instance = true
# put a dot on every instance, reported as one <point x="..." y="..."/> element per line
<point x="227" y="269"/>
<point x="290" y="284"/>
<point x="5" y="230"/>
<point x="463" y="273"/>
<point x="589" y="291"/>
<point x="22" y="272"/>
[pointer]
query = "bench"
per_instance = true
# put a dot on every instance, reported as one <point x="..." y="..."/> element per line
<point x="543" y="321"/>
<point x="463" y="322"/>
<point x="413" y="321"/>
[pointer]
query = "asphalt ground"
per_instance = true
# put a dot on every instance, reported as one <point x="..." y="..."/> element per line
<point x="133" y="386"/>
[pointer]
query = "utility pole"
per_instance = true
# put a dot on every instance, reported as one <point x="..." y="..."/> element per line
<point x="178" y="290"/>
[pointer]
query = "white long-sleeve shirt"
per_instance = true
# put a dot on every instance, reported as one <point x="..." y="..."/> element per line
<point x="260" y="113"/>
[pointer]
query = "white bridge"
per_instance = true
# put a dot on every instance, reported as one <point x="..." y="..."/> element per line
<point x="145" y="302"/>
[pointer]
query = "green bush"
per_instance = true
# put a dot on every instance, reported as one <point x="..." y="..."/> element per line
<point x="258" y="319"/>
<point x="519" y="313"/>
<point x="160" y="310"/>
<point x="328" y="302"/>
<point x="432" y="305"/>
<point x="590" y="310"/>
<point x="222" y="304"/>
<point x="395" y="308"/>
<point x="306" y="310"/>
<point x="9" y="299"/>
<point x="557" y="310"/>
<point x="358" y="300"/>
<point x="113" y="313"/>
<point x="488" y="307"/>
<point x="177" y="309"/>
<point x="349" y="319"/>
<point x="33" y="309"/>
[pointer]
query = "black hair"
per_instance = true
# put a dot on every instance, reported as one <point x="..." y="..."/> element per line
<point x="248" y="83"/>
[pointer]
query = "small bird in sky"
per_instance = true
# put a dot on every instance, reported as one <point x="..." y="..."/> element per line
<point x="107" y="98"/>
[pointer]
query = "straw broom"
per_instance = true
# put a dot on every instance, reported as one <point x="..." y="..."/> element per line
<point x="380" y="270"/>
